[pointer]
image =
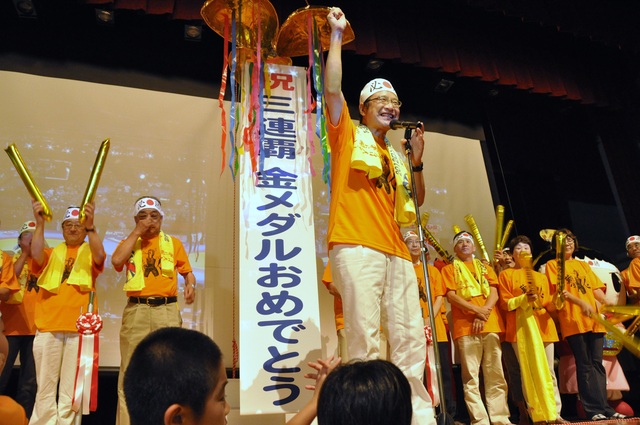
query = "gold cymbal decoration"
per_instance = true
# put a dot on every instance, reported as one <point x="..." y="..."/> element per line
<point x="28" y="181"/>
<point x="94" y="178"/>
<point x="248" y="12"/>
<point x="293" y="39"/>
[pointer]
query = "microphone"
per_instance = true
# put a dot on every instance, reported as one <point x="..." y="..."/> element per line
<point x="409" y="125"/>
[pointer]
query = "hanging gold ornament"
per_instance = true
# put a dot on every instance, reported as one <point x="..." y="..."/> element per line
<point x="248" y="13"/>
<point x="293" y="38"/>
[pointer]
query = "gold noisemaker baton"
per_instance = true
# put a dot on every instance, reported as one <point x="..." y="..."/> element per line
<point x="632" y="344"/>
<point x="476" y="234"/>
<point x="31" y="185"/>
<point x="94" y="179"/>
<point x="560" y="247"/>
<point x="499" y="221"/>
<point x="505" y="235"/>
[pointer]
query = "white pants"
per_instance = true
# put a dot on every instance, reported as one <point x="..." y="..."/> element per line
<point x="56" y="358"/>
<point x="483" y="351"/>
<point x="380" y="290"/>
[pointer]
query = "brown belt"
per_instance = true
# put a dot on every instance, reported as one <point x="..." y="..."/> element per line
<point x="153" y="301"/>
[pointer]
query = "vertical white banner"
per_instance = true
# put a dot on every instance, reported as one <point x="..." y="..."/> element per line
<point x="279" y="317"/>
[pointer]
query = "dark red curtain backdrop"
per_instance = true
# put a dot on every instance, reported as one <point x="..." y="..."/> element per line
<point x="551" y="54"/>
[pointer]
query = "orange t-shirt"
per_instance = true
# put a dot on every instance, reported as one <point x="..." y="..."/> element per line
<point x="633" y="274"/>
<point x="513" y="283"/>
<point x="462" y="319"/>
<point x="580" y="281"/>
<point x="7" y="276"/>
<point x="362" y="209"/>
<point x="337" y="301"/>
<point x="59" y="312"/>
<point x="19" y="318"/>
<point x="437" y="287"/>
<point x="155" y="284"/>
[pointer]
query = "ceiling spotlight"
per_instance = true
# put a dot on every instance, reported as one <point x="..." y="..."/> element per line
<point x="105" y="17"/>
<point x="193" y="32"/>
<point x="443" y="85"/>
<point x="25" y="8"/>
<point x="374" y="64"/>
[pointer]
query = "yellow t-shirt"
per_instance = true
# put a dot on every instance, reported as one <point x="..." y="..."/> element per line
<point x="155" y="284"/>
<point x="362" y="209"/>
<point x="463" y="320"/>
<point x="580" y="281"/>
<point x="59" y="312"/>
<point x="513" y="283"/>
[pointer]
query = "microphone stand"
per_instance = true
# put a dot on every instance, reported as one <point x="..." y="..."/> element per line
<point x="443" y="418"/>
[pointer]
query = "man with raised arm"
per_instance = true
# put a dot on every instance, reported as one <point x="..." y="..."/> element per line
<point x="370" y="200"/>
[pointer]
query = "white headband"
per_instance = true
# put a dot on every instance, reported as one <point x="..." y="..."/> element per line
<point x="28" y="226"/>
<point x="73" y="213"/>
<point x="463" y="235"/>
<point x="147" y="203"/>
<point x="410" y="234"/>
<point x="631" y="240"/>
<point x="375" y="86"/>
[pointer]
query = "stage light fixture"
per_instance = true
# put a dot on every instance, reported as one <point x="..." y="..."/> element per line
<point x="25" y="8"/>
<point x="443" y="86"/>
<point x="192" y="32"/>
<point x="374" y="64"/>
<point x="105" y="17"/>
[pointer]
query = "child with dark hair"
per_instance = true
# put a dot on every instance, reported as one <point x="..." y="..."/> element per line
<point x="373" y="392"/>
<point x="177" y="375"/>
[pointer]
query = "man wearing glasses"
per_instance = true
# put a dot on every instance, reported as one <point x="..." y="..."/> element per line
<point x="67" y="275"/>
<point x="370" y="200"/>
<point x="152" y="261"/>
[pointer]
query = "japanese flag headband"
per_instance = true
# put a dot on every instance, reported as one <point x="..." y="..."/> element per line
<point x="146" y="203"/>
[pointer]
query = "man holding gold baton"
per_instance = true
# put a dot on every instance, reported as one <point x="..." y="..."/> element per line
<point x="67" y="276"/>
<point x="152" y="261"/>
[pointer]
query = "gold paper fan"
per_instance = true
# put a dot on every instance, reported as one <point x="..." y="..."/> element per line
<point x="214" y="13"/>
<point x="293" y="39"/>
